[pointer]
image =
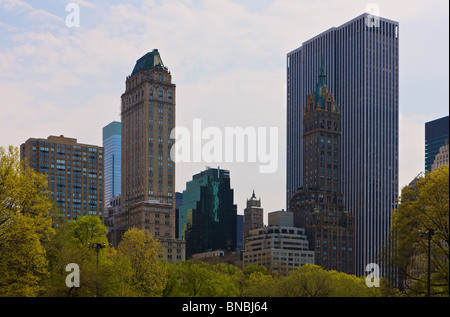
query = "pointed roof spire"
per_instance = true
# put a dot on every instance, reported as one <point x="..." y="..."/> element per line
<point x="322" y="75"/>
<point x="253" y="196"/>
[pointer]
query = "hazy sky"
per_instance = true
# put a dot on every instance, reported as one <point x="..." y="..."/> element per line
<point x="227" y="58"/>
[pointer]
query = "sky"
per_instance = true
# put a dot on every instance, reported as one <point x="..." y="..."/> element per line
<point x="227" y="59"/>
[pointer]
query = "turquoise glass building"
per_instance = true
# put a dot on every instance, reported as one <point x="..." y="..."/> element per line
<point x="208" y="215"/>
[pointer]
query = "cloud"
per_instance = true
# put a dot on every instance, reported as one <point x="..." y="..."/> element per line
<point x="24" y="7"/>
<point x="227" y="59"/>
<point x="16" y="5"/>
<point x="411" y="146"/>
<point x="87" y="4"/>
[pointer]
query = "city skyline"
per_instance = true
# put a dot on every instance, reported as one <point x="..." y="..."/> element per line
<point x="241" y="70"/>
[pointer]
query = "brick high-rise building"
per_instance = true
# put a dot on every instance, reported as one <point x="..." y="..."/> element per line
<point x="318" y="206"/>
<point x="148" y="173"/>
<point x="74" y="170"/>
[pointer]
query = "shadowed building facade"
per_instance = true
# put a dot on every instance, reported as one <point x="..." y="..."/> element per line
<point x="361" y="61"/>
<point x="318" y="206"/>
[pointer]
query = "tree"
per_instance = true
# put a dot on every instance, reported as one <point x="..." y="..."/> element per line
<point x="260" y="284"/>
<point x="74" y="243"/>
<point x="25" y="224"/>
<point x="148" y="274"/>
<point x="313" y="281"/>
<point x="116" y="273"/>
<point x="423" y="205"/>
<point x="306" y="281"/>
<point x="195" y="278"/>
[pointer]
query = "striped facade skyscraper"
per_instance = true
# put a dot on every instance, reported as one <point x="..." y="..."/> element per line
<point x="362" y="67"/>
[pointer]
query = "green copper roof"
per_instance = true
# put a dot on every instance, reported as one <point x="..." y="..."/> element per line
<point x="148" y="61"/>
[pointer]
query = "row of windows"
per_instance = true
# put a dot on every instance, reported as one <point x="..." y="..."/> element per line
<point x="160" y="110"/>
<point x="44" y="147"/>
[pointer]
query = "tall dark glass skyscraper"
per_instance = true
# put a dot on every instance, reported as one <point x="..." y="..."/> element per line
<point x="207" y="216"/>
<point x="362" y="67"/>
<point x="436" y="133"/>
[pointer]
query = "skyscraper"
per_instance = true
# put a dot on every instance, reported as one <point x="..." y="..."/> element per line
<point x="74" y="170"/>
<point x="436" y="134"/>
<point x="318" y="206"/>
<point x="112" y="161"/>
<point x="239" y="232"/>
<point x="253" y="216"/>
<point x="361" y="63"/>
<point x="148" y="173"/>
<point x="207" y="216"/>
<point x="178" y="202"/>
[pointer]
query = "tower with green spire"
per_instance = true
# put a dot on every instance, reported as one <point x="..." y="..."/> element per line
<point x="319" y="206"/>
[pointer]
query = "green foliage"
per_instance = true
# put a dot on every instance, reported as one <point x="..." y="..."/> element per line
<point x="193" y="279"/>
<point x="33" y="256"/>
<point x="133" y="270"/>
<point x="253" y="268"/>
<point x="73" y="243"/>
<point x="313" y="281"/>
<point x="139" y="252"/>
<point x="424" y="205"/>
<point x="24" y="226"/>
<point x="260" y="284"/>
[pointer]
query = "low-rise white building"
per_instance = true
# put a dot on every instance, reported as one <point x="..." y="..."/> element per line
<point x="278" y="248"/>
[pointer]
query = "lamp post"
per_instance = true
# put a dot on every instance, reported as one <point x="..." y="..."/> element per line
<point x="428" y="233"/>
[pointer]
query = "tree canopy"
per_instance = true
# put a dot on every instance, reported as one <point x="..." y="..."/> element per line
<point x="35" y="251"/>
<point x="25" y="224"/>
<point x="424" y="207"/>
